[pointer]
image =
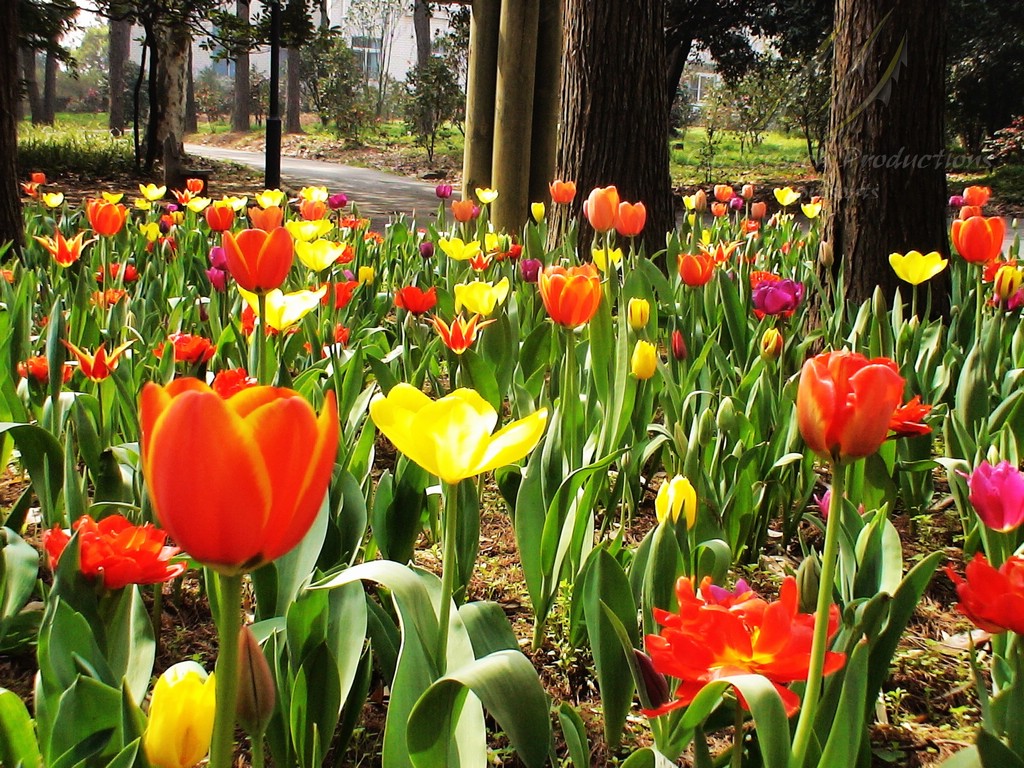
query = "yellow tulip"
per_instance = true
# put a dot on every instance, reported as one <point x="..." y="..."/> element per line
<point x="285" y="309"/>
<point x="457" y="250"/>
<point x="537" y="211"/>
<point x="197" y="204"/>
<point x="319" y="254"/>
<point x="1007" y="282"/>
<point x="142" y="204"/>
<point x="452" y="437"/>
<point x="52" y="199"/>
<point x="150" y="231"/>
<point x="181" y="712"/>
<point x="915" y="267"/>
<point x="639" y="313"/>
<point x="644" y="361"/>
<point x="269" y="197"/>
<point x="486" y="195"/>
<point x="365" y="275"/>
<point x="480" y="298"/>
<point x="602" y="257"/>
<point x="237" y="203"/>
<point x="772" y="344"/>
<point x="314" y="194"/>
<point x="786" y="196"/>
<point x="152" y="192"/>
<point x="676" y="496"/>
<point x="306" y="231"/>
<point x="113" y="197"/>
<point x="811" y="210"/>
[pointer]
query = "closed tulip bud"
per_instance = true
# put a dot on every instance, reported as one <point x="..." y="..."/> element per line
<point x="644" y="361"/>
<point x="736" y="203"/>
<point x="443" y="191"/>
<point x="825" y="255"/>
<point x="255" y="686"/>
<point x="366" y="275"/>
<point x="726" y="416"/>
<point x="956" y="201"/>
<point x="537" y="212"/>
<point x="655" y="683"/>
<point x="529" y="269"/>
<point x="427" y="249"/>
<point x="676" y="498"/>
<point x="706" y="427"/>
<point x="758" y="210"/>
<point x="771" y="344"/>
<point x="807" y="577"/>
<point x="747" y="191"/>
<point x="679" y="351"/>
<point x="181" y="711"/>
<point x="639" y="313"/>
<point x="1007" y="282"/>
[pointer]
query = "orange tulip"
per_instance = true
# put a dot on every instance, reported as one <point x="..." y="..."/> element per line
<point x="758" y="210"/>
<point x="747" y="191"/>
<point x="846" y="402"/>
<point x="259" y="261"/>
<point x="571" y="296"/>
<point x="30" y="188"/>
<point x="266" y="218"/>
<point x="98" y="365"/>
<point x="195" y="186"/>
<point x="976" y="195"/>
<point x="105" y="218"/>
<point x="601" y="208"/>
<point x="460" y="335"/>
<point x="723" y="193"/>
<point x="220" y="216"/>
<point x="631" y="219"/>
<point x="696" y="269"/>
<point x="65" y="252"/>
<point x="562" y="192"/>
<point x="979" y="240"/>
<point x="312" y="210"/>
<point x="464" y="210"/>
<point x="38" y="177"/>
<point x="235" y="482"/>
<point x="719" y="209"/>
<point x="968" y="211"/>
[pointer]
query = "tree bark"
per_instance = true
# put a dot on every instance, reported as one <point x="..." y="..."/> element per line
<point x="421" y="24"/>
<point x="242" y="97"/>
<point x="293" y="100"/>
<point x="546" y="89"/>
<point x="171" y="44"/>
<point x="480" y="88"/>
<point x="613" y="102"/>
<point x="49" y="102"/>
<point x="191" y="108"/>
<point x="119" y="40"/>
<point x="28" y="74"/>
<point x="885" y="176"/>
<point x="11" y="225"/>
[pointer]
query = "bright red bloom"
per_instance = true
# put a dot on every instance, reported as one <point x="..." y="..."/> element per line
<point x="341" y="334"/>
<point x="257" y="466"/>
<point x="562" y="192"/>
<point x="479" y="262"/>
<point x="908" y="419"/>
<point x="195" y="186"/>
<point x="719" y="633"/>
<point x="38" y="368"/>
<point x="696" y="269"/>
<point x="38" y="177"/>
<point x="98" y="365"/>
<point x="188" y="348"/>
<point x="117" y="552"/>
<point x="571" y="296"/>
<point x="104" y="217"/>
<point x="977" y="239"/>
<point x="845" y="403"/>
<point x="988" y="274"/>
<point x="414" y="299"/>
<point x="131" y="274"/>
<point x="631" y="219"/>
<point x="219" y="216"/>
<point x="267" y="218"/>
<point x="339" y="294"/>
<point x="992" y="599"/>
<point x="258" y="260"/>
<point x="232" y="381"/>
<point x="461" y="334"/>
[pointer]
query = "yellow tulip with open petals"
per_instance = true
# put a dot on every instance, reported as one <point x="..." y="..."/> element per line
<point x="314" y="194"/>
<point x="198" y="204"/>
<point x="458" y="250"/>
<point x="306" y="231"/>
<point x="786" y="196"/>
<point x="285" y="309"/>
<point x="603" y="257"/>
<point x="452" y="437"/>
<point x="479" y="297"/>
<point x="181" y="714"/>
<point x="486" y="195"/>
<point x="269" y="197"/>
<point x="152" y="192"/>
<point x="52" y="199"/>
<point x="676" y="497"/>
<point x="915" y="268"/>
<point x="319" y="254"/>
<point x="811" y="210"/>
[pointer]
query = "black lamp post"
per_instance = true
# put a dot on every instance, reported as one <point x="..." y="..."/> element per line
<point x="272" y="172"/>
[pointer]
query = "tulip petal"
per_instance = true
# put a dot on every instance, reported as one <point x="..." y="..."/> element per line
<point x="511" y="443"/>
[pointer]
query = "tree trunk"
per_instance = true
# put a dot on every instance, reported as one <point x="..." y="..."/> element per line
<point x="613" y="88"/>
<point x="173" y="43"/>
<point x="28" y="74"/>
<point x="885" y="178"/>
<point x="242" y="97"/>
<point x="293" y="100"/>
<point x="546" y="89"/>
<point x="49" y="102"/>
<point x="480" y="87"/>
<point x="11" y="225"/>
<point x="191" y="108"/>
<point x="119" y="40"/>
<point x="421" y="24"/>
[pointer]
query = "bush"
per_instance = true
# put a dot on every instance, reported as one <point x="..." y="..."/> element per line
<point x="434" y="99"/>
<point x="86" y="153"/>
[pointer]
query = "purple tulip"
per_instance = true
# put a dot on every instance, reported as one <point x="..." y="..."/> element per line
<point x="997" y="494"/>
<point x="736" y="203"/>
<point x="218" y="279"/>
<point x="530" y="269"/>
<point x="337" y="200"/>
<point x="777" y="297"/>
<point x="956" y="201"/>
<point x="218" y="258"/>
<point x="443" y="191"/>
<point x="427" y="249"/>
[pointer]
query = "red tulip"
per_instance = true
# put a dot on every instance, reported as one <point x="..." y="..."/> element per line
<point x="977" y="239"/>
<point x="258" y="260"/>
<point x="631" y="219"/>
<point x="236" y="482"/>
<point x="845" y="403"/>
<point x="571" y="296"/>
<point x="416" y="300"/>
<point x="992" y="599"/>
<point x="460" y="335"/>
<point x="99" y="365"/>
<point x="696" y="269"/>
<point x="189" y="348"/>
<point x="562" y="192"/>
<point x="220" y="216"/>
<point x="105" y="218"/>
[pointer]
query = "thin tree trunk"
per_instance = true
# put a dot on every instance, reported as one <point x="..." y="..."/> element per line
<point x="293" y="100"/>
<point x="242" y="97"/>
<point x="191" y="108"/>
<point x="49" y="103"/>
<point x="173" y="43"/>
<point x="613" y="85"/>
<point x="11" y="225"/>
<point x="421" y="24"/>
<point x="28" y="74"/>
<point x="119" y="38"/>
<point x="885" y="177"/>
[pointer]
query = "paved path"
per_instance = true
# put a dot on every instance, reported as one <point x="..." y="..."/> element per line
<point x="379" y="196"/>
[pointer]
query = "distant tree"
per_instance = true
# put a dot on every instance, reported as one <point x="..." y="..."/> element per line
<point x="241" y="101"/>
<point x="377" y="22"/>
<point x="119" y="49"/>
<point x="434" y="98"/>
<point x="332" y="84"/>
<point x="213" y="95"/>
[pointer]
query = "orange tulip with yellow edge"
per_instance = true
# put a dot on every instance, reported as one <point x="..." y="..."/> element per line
<point x="98" y="365"/>
<point x="105" y="218"/>
<point x="571" y="295"/>
<point x="979" y="239"/>
<point x="65" y="252"/>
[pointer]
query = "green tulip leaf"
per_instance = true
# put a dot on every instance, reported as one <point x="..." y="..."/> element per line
<point x="574" y="732"/>
<point x="488" y="628"/>
<point x="846" y="734"/>
<point x="18" y="744"/>
<point x="315" y="706"/>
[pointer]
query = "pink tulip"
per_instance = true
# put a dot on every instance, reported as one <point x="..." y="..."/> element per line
<point x="997" y="494"/>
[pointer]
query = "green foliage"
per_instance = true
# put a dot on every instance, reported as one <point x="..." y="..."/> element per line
<point x="333" y="82"/>
<point x="59" y="151"/>
<point x="434" y="99"/>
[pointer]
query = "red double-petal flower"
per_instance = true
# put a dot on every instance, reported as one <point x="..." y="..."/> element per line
<point x="414" y="299"/>
<point x="992" y="599"/>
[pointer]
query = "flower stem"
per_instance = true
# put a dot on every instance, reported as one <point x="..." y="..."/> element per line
<point x="229" y="623"/>
<point x="737" y="738"/>
<point x="261" y="339"/>
<point x="819" y="643"/>
<point x="448" y="568"/>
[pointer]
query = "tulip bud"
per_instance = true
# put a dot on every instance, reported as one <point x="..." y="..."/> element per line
<point x="758" y="210"/>
<point x="644" y="361"/>
<point x="427" y="249"/>
<point x="655" y="685"/>
<point x="771" y="344"/>
<point x="825" y="255"/>
<point x="747" y="191"/>
<point x="366" y="275"/>
<point x="726" y="416"/>
<point x="736" y="203"/>
<point x="529" y="269"/>
<point x="807" y="577"/>
<point x="1007" y="282"/>
<point x="706" y="427"/>
<point x="639" y="313"/>
<point x="956" y="201"/>
<point x="337" y="201"/>
<point x="255" y="686"/>
<point x="678" y="345"/>
<point x="537" y="212"/>
<point x="443" y="191"/>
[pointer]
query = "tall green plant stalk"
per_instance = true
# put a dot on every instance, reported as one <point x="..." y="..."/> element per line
<point x="229" y="600"/>
<point x="819" y="642"/>
<point x="448" y="568"/>
<point x="261" y="339"/>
